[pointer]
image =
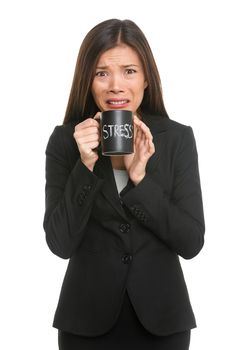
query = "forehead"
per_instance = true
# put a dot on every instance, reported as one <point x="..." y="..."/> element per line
<point x="121" y="54"/>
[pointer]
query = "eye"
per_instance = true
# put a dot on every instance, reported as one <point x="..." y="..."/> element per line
<point x="101" y="74"/>
<point x="130" y="71"/>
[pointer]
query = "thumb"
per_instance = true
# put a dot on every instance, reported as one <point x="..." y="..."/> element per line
<point x="97" y="116"/>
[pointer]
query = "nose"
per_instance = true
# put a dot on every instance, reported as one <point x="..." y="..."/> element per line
<point x="116" y="84"/>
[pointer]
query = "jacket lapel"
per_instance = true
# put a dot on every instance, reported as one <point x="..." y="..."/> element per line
<point x="103" y="169"/>
<point x="157" y="127"/>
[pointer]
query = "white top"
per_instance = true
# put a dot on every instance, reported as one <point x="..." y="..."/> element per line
<point x="121" y="178"/>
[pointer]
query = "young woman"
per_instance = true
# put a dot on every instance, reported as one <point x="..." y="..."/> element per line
<point x="123" y="221"/>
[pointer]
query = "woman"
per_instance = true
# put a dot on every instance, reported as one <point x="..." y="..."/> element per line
<point x="123" y="220"/>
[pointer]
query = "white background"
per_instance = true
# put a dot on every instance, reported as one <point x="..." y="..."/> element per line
<point x="192" y="44"/>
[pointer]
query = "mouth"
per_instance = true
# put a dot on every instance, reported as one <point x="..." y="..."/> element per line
<point x="117" y="103"/>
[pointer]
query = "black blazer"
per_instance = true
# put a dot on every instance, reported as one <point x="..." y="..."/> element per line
<point x="129" y="242"/>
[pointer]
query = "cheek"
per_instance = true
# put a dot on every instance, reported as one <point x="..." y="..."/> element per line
<point x="97" y="92"/>
<point x="93" y="91"/>
<point x="140" y="94"/>
<point x="95" y="96"/>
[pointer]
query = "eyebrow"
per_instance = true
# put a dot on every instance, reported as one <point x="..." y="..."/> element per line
<point x="124" y="66"/>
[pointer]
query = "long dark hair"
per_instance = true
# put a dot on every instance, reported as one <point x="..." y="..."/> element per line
<point x="102" y="37"/>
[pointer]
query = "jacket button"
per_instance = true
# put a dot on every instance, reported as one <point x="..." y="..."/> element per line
<point x="82" y="195"/>
<point x="81" y="198"/>
<point x="87" y="188"/>
<point x="126" y="258"/>
<point x="124" y="228"/>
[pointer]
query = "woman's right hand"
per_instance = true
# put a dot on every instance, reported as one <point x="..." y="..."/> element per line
<point x="87" y="137"/>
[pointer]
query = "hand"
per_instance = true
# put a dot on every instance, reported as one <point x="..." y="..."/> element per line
<point x="87" y="137"/>
<point x="135" y="163"/>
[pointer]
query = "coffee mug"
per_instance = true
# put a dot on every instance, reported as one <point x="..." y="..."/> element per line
<point x="117" y="133"/>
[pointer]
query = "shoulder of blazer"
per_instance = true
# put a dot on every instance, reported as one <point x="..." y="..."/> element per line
<point x="62" y="143"/>
<point x="65" y="131"/>
<point x="63" y="134"/>
<point x="159" y="124"/>
<point x="170" y="134"/>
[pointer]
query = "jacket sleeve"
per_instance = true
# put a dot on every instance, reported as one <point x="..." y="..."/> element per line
<point x="69" y="195"/>
<point x="177" y="219"/>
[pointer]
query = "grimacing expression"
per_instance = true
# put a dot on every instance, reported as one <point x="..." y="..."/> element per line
<point x="119" y="80"/>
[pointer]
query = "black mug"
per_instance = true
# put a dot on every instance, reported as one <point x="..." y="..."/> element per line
<point x="117" y="132"/>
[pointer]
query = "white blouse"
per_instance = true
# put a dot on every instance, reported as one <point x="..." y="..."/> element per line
<point x="121" y="178"/>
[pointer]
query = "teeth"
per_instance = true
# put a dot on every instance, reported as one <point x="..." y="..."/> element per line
<point x="117" y="102"/>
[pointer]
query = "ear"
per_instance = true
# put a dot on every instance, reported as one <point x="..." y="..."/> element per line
<point x="145" y="84"/>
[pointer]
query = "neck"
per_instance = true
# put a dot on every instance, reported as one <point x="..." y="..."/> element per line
<point x="118" y="162"/>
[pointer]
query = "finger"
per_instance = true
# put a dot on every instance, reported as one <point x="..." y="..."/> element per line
<point x="151" y="147"/>
<point x="139" y="123"/>
<point x="87" y="147"/>
<point x="138" y="137"/>
<point x="146" y="130"/>
<point x="135" y="132"/>
<point x="92" y="130"/>
<point x="136" y="119"/>
<point x="86" y="124"/>
<point x="87" y="139"/>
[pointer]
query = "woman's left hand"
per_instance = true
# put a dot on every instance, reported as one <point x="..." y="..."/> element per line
<point x="135" y="163"/>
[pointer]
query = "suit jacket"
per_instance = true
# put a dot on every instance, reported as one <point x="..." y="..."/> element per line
<point x="132" y="241"/>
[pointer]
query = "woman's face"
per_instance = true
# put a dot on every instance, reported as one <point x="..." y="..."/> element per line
<point x="119" y="81"/>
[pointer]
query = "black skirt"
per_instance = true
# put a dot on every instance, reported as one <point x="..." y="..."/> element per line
<point x="127" y="333"/>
